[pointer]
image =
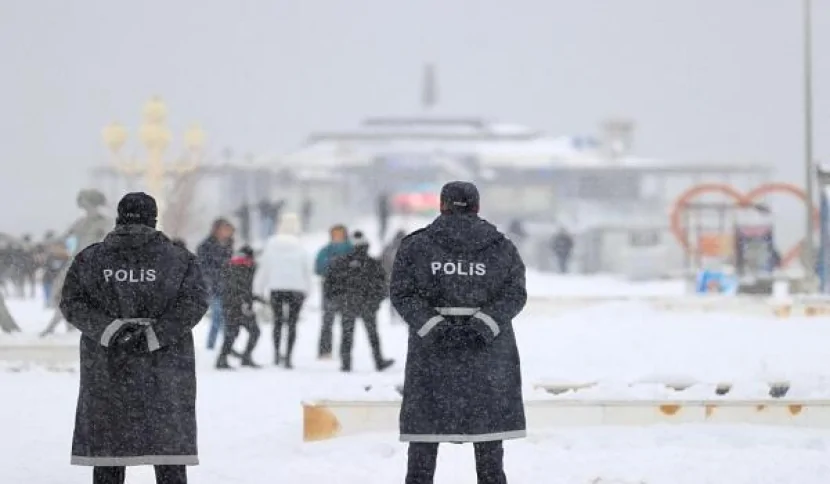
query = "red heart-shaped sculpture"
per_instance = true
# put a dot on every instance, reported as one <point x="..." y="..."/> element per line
<point x="741" y="200"/>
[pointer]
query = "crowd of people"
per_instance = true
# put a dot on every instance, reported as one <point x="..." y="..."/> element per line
<point x="281" y="277"/>
<point x="353" y="284"/>
<point x="26" y="265"/>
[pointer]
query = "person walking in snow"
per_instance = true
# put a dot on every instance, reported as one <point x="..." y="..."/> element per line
<point x="283" y="278"/>
<point x="458" y="283"/>
<point x="562" y="245"/>
<point x="357" y="284"/>
<point x="384" y="213"/>
<point x="238" y="308"/>
<point x="213" y="253"/>
<point x="338" y="246"/>
<point x="55" y="261"/>
<point x="135" y="297"/>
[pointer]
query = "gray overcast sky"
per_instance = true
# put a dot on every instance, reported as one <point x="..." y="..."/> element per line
<point x="704" y="79"/>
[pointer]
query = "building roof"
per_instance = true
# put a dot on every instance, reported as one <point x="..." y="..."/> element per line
<point x="493" y="143"/>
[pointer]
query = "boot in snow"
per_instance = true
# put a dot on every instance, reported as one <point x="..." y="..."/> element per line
<point x="384" y="364"/>
<point x="222" y="364"/>
<point x="247" y="361"/>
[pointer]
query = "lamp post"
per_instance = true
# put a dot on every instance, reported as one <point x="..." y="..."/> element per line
<point x="809" y="254"/>
<point x="155" y="135"/>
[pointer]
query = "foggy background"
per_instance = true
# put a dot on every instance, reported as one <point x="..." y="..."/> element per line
<point x="705" y="80"/>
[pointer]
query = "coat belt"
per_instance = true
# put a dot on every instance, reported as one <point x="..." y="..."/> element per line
<point x="457" y="311"/>
<point x="434" y="321"/>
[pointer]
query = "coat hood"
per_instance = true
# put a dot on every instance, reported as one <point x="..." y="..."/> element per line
<point x="289" y="225"/>
<point x="463" y="233"/>
<point x="127" y="237"/>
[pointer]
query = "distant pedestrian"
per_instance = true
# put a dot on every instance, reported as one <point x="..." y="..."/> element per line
<point x="357" y="284"/>
<point x="284" y="278"/>
<point x="213" y="254"/>
<point x="338" y="246"/>
<point x="56" y="259"/>
<point x="388" y="260"/>
<point x="306" y="213"/>
<point x="562" y="245"/>
<point x="384" y="213"/>
<point x="238" y="308"/>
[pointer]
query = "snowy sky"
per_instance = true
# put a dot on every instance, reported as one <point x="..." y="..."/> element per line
<point x="704" y="79"/>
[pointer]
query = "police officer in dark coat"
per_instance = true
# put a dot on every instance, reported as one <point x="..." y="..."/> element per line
<point x="237" y="303"/>
<point x="135" y="297"/>
<point x="356" y="283"/>
<point x="458" y="283"/>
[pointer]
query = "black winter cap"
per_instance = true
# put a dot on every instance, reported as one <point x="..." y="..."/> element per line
<point x="137" y="208"/>
<point x="459" y="197"/>
<point x="359" y="239"/>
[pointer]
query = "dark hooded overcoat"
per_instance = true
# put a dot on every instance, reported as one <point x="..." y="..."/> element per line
<point x="137" y="406"/>
<point x="458" y="284"/>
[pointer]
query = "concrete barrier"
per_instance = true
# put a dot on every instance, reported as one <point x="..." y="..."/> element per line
<point x="745" y="305"/>
<point x="777" y="389"/>
<point x="328" y="419"/>
<point x="45" y="354"/>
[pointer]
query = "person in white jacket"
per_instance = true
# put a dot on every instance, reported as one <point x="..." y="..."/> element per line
<point x="283" y="277"/>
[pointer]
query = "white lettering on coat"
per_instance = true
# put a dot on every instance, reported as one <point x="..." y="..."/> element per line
<point x="129" y="275"/>
<point x="458" y="268"/>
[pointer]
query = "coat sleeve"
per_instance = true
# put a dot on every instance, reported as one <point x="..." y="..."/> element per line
<point x="409" y="300"/>
<point x="509" y="300"/>
<point x="78" y="309"/>
<point x="320" y="262"/>
<point x="185" y="312"/>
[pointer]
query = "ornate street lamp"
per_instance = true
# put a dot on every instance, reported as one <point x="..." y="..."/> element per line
<point x="156" y="137"/>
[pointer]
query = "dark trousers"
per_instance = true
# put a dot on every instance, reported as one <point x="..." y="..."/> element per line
<point x="232" y="327"/>
<point x="286" y="306"/>
<point x="370" y="321"/>
<point x="326" y="330"/>
<point x="117" y="475"/>
<point x="489" y="462"/>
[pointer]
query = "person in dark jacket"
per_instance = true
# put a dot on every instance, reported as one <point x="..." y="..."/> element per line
<point x="563" y="245"/>
<point x="55" y="259"/>
<point x="357" y="285"/>
<point x="238" y="306"/>
<point x="387" y="258"/>
<point x="458" y="283"/>
<point x="213" y="254"/>
<point x="135" y="297"/>
<point x="384" y="212"/>
<point x="338" y="246"/>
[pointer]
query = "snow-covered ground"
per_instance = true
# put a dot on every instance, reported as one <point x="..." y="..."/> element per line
<point x="251" y="421"/>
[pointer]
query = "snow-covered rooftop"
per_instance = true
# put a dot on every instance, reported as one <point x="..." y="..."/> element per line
<point x="493" y="144"/>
